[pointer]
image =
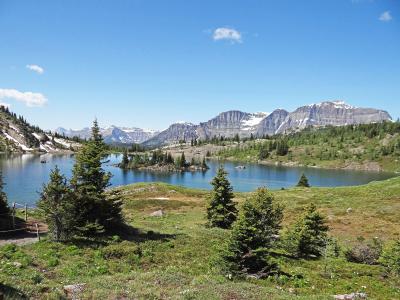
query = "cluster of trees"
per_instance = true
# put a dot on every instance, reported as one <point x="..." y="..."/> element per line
<point x="280" y="146"/>
<point x="255" y="229"/>
<point x="80" y="207"/>
<point x="159" y="158"/>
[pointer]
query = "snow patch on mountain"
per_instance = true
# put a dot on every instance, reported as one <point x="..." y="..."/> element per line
<point x="253" y="121"/>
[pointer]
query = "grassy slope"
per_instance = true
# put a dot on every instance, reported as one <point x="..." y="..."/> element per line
<point x="175" y="256"/>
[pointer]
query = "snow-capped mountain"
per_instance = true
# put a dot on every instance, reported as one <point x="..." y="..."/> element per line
<point x="17" y="135"/>
<point x="113" y="134"/>
<point x="230" y="123"/>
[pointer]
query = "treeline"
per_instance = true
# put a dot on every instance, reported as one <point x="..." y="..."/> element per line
<point x="159" y="158"/>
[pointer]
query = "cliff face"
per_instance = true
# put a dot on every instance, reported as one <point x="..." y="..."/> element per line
<point x="270" y="124"/>
<point x="173" y="134"/>
<point x="230" y="123"/>
<point x="335" y="113"/>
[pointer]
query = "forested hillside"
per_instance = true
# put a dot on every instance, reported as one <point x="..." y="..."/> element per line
<point x="367" y="146"/>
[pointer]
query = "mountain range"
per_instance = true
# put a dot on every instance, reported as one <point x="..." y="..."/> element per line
<point x="113" y="134"/>
<point x="230" y="123"/>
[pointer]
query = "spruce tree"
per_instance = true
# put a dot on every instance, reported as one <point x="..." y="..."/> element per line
<point x="204" y="164"/>
<point x="182" y="162"/>
<point x="57" y="206"/>
<point x="5" y="217"/>
<point x="125" y="159"/>
<point x="253" y="235"/>
<point x="309" y="236"/>
<point x="221" y="210"/>
<point x="303" y="181"/>
<point x="89" y="181"/>
<point x="4" y="209"/>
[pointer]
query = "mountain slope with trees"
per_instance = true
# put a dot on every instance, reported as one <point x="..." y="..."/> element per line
<point x="366" y="146"/>
<point x="18" y="135"/>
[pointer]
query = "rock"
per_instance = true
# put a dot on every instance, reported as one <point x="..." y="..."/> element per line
<point x="17" y="264"/>
<point x="157" y="213"/>
<point x="349" y="210"/>
<point x="74" y="291"/>
<point x="351" y="296"/>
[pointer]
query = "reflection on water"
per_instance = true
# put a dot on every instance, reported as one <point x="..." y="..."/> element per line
<point x="24" y="175"/>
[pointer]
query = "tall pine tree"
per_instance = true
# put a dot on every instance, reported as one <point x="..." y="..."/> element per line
<point x="4" y="209"/>
<point x="221" y="210"/>
<point x="95" y="212"/>
<point x="5" y="219"/>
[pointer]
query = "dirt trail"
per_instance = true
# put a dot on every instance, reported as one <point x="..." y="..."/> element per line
<point x="24" y="237"/>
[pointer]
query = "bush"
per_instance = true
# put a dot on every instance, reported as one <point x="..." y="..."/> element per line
<point x="365" y="252"/>
<point x="390" y="257"/>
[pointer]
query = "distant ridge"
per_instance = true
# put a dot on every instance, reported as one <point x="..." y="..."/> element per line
<point x="230" y="123"/>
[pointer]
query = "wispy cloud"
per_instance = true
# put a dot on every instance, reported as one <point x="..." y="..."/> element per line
<point x="35" y="68"/>
<point x="385" y="16"/>
<point x="29" y="98"/>
<point x="225" y="33"/>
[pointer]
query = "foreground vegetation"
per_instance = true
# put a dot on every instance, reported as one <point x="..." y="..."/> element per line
<point x="178" y="256"/>
<point x="367" y="146"/>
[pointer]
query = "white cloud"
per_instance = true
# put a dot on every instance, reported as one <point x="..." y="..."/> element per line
<point x="35" y="68"/>
<point x="385" y="16"/>
<point x="29" y="98"/>
<point x="225" y="33"/>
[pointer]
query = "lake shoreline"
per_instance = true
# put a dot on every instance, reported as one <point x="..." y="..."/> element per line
<point x="351" y="166"/>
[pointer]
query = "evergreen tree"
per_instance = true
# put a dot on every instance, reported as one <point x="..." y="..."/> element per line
<point x="221" y="210"/>
<point x="125" y="159"/>
<point x="94" y="211"/>
<point x="57" y="205"/>
<point x="309" y="236"/>
<point x="303" y="181"/>
<point x="5" y="217"/>
<point x="182" y="162"/>
<point x="253" y="236"/>
<point x="204" y="164"/>
<point x="4" y="209"/>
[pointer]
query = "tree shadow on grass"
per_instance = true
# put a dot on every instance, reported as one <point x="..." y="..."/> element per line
<point x="8" y="292"/>
<point x="130" y="233"/>
<point x="124" y="232"/>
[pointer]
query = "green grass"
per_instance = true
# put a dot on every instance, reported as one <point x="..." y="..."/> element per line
<point x="176" y="256"/>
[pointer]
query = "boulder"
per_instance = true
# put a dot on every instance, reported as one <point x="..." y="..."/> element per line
<point x="157" y="213"/>
<point x="74" y="291"/>
<point x="351" y="296"/>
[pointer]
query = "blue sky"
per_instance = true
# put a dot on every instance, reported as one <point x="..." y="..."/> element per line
<point x="150" y="63"/>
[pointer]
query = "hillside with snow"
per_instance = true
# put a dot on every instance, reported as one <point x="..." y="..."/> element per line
<point x="17" y="135"/>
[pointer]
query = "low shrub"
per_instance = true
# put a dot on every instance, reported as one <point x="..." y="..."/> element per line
<point x="365" y="252"/>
